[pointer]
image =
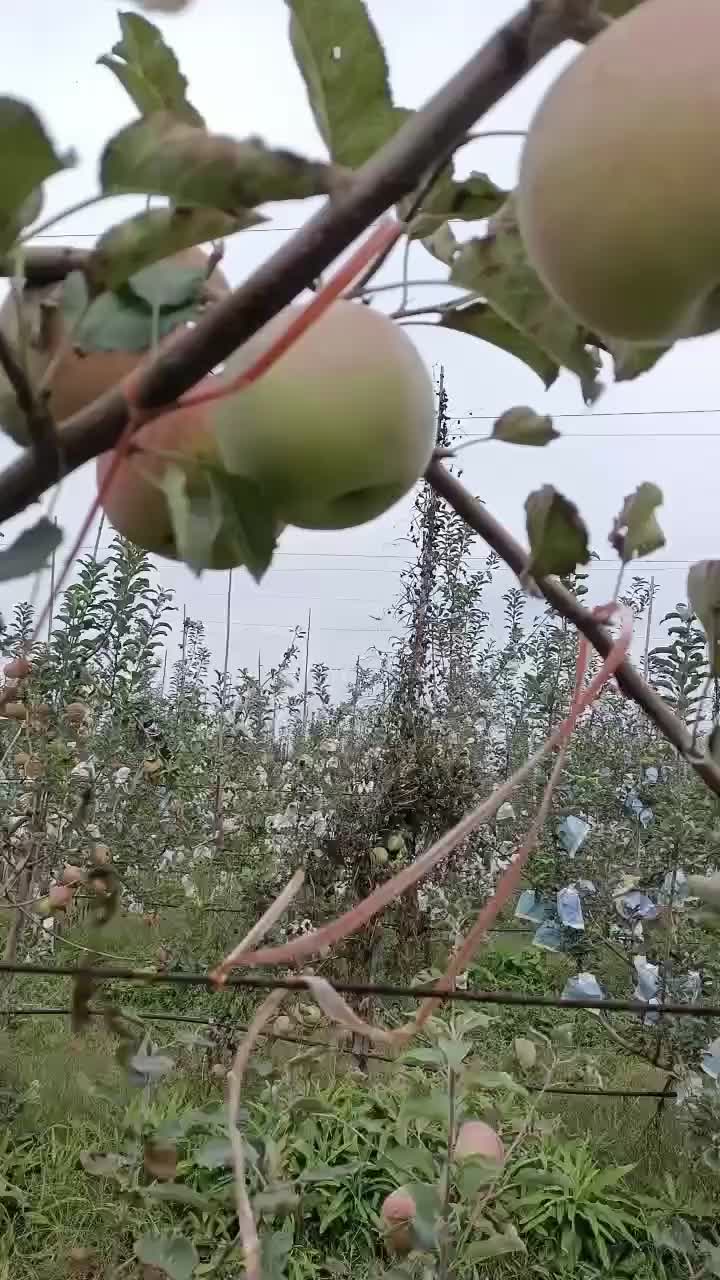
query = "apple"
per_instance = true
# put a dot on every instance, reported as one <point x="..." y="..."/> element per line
<point x="475" y="1138"/>
<point x="618" y="198"/>
<point x="398" y="1212"/>
<point x="340" y="427"/>
<point x="79" y="377"/>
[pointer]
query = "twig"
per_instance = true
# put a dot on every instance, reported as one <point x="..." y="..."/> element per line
<point x="40" y="423"/>
<point x="386" y="178"/>
<point x="566" y="604"/>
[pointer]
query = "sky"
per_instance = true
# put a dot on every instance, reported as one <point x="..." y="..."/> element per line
<point x="664" y="427"/>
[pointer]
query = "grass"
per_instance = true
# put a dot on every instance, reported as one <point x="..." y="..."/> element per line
<point x="75" y="1097"/>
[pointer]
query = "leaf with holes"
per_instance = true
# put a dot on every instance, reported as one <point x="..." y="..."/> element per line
<point x="556" y="532"/>
<point x="343" y="64"/>
<point x="174" y="1256"/>
<point x="480" y="321"/>
<point x="28" y="159"/>
<point x="147" y="237"/>
<point x="148" y="70"/>
<point x="524" y="426"/>
<point x="496" y="267"/>
<point x="30" y="551"/>
<point x="162" y="156"/>
<point x="470" y="199"/>
<point x="635" y="530"/>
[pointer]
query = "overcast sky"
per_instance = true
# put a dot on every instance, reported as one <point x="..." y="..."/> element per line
<point x="663" y="427"/>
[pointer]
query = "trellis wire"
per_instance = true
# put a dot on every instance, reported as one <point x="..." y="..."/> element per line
<point x="160" y="1016"/>
<point x="509" y="998"/>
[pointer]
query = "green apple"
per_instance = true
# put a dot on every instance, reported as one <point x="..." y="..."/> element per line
<point x="618" y="197"/>
<point x="340" y="427"/>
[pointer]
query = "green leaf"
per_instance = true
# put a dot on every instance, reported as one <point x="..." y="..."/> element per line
<point x="151" y="1066"/>
<point x="330" y="1172"/>
<point x="496" y="267"/>
<point x="472" y="200"/>
<point x="216" y="1153"/>
<point x="427" y="1214"/>
<point x="492" y="1080"/>
<point x="177" y="1193"/>
<point x="249" y="522"/>
<point x="28" y="158"/>
<point x="475" y="1173"/>
<point x="480" y="321"/>
<point x="415" y="1160"/>
<point x="195" y="512"/>
<point x="524" y="426"/>
<point x="148" y="70"/>
<point x="342" y="62"/>
<point x="167" y="286"/>
<point x="442" y="243"/>
<point x="116" y="321"/>
<point x="30" y="551"/>
<point x="630" y="361"/>
<point x="703" y="593"/>
<point x="525" y="1052"/>
<point x="495" y="1246"/>
<point x="173" y="1255"/>
<point x="556" y="532"/>
<point x="635" y="530"/>
<point x="275" y="1249"/>
<point x="104" y="1164"/>
<point x="428" y="1057"/>
<point x="162" y="156"/>
<point x="155" y="234"/>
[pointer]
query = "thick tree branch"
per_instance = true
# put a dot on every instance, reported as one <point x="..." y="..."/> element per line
<point x="566" y="604"/>
<point x="388" y="176"/>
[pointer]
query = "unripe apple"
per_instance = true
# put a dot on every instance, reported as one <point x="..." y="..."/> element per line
<point x="618" y="197"/>
<point x="340" y="427"/>
<point x="398" y="1212"/>
<point x="475" y="1138"/>
<point x="79" y="377"/>
<point x="379" y="855"/>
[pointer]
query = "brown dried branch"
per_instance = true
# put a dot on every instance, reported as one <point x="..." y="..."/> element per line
<point x="567" y="605"/>
<point x="387" y="177"/>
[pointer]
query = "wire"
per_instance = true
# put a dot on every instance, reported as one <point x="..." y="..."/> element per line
<point x="160" y="1016"/>
<point x="522" y="1000"/>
